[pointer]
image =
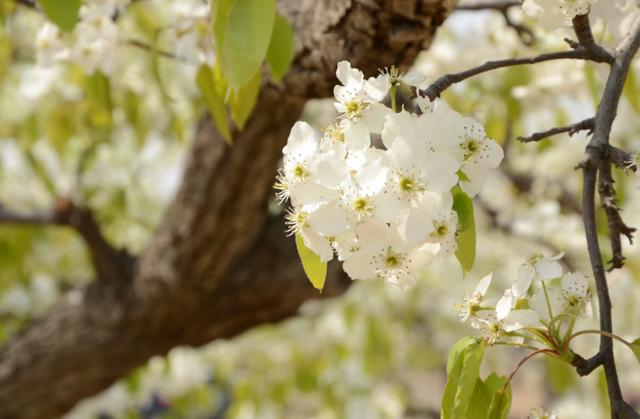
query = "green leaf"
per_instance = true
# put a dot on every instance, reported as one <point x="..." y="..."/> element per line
<point x="458" y="348"/>
<point x="98" y="91"/>
<point x="243" y="38"/>
<point x="466" y="235"/>
<point x="500" y="404"/>
<point x="243" y="100"/>
<point x="281" y="48"/>
<point x="63" y="13"/>
<point x="463" y="206"/>
<point x="220" y="18"/>
<point x="468" y="377"/>
<point x="464" y="368"/>
<point x="215" y="102"/>
<point x="482" y="396"/>
<point x="635" y="347"/>
<point x="315" y="269"/>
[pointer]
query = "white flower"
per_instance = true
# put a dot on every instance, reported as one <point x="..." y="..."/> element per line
<point x="480" y="155"/>
<point x="575" y="294"/>
<point x="472" y="304"/>
<point x="50" y="48"/>
<point x="378" y="87"/>
<point x="354" y="102"/>
<point x="382" y="254"/>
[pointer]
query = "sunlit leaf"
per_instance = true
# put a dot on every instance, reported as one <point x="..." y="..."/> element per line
<point x="281" y="48"/>
<point x="466" y="236"/>
<point x="482" y="395"/>
<point x="463" y="371"/>
<point x="215" y="102"/>
<point x="315" y="269"/>
<point x="63" y="13"/>
<point x="242" y="101"/>
<point x="500" y="404"/>
<point x="242" y="45"/>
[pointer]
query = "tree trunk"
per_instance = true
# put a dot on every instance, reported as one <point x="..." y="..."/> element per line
<point x="218" y="265"/>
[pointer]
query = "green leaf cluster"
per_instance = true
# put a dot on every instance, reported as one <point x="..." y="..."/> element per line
<point x="468" y="396"/>
<point x="246" y="33"/>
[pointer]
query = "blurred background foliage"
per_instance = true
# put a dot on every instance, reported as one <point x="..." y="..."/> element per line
<point x="116" y="143"/>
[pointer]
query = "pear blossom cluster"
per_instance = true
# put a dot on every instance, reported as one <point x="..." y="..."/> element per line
<point x="93" y="43"/>
<point x="374" y="188"/>
<point x="541" y="297"/>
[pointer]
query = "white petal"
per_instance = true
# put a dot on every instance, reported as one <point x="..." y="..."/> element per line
<point x="329" y="219"/>
<point x="373" y="117"/>
<point x="414" y="226"/>
<point x="483" y="285"/>
<point x="378" y="87"/>
<point x="302" y="142"/>
<point x="318" y="244"/>
<point x="349" y="76"/>
<point x="360" y="266"/>
<point x="329" y="169"/>
<point x="440" y="172"/>
<point x="356" y="136"/>
<point x="548" y="269"/>
<point x="504" y="305"/>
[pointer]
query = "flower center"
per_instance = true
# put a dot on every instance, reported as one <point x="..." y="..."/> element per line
<point x="362" y="206"/>
<point x="470" y="147"/>
<point x="299" y="172"/>
<point x="408" y="185"/>
<point x="354" y="109"/>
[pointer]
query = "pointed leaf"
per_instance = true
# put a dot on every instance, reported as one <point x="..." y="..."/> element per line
<point x="281" y="48"/>
<point x="243" y="100"/>
<point x="466" y="250"/>
<point x="215" y="102"/>
<point x="63" y="13"/>
<point x="315" y="269"/>
<point x="468" y="377"/>
<point x="463" y="206"/>
<point x="242" y="46"/>
<point x="463" y="370"/>
<point x="466" y="234"/>
<point x="482" y="396"/>
<point x="458" y="348"/>
<point x="500" y="404"/>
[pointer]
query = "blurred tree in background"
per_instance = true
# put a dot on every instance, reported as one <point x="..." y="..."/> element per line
<point x="138" y="219"/>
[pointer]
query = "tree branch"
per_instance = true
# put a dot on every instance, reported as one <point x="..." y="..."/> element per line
<point x="616" y="226"/>
<point x="596" y="153"/>
<point x="111" y="265"/>
<point x="586" y="124"/>
<point x="444" y="82"/>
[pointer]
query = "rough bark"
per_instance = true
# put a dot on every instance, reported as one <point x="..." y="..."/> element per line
<point x="217" y="264"/>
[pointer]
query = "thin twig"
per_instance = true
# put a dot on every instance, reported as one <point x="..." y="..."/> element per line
<point x="444" y="82"/>
<point x="139" y="44"/>
<point x="587" y="124"/>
